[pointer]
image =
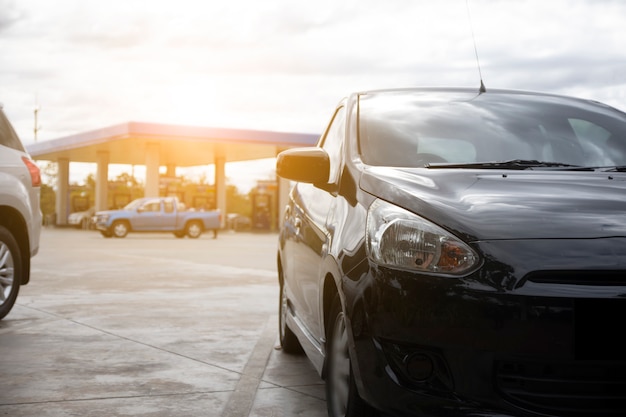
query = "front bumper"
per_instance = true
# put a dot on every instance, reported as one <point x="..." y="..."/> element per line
<point x="434" y="346"/>
<point x="100" y="222"/>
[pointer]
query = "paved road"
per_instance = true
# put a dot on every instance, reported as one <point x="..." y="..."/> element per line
<point x="151" y="325"/>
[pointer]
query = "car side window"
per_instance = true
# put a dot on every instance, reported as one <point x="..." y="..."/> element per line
<point x="8" y="137"/>
<point x="152" y="206"/>
<point x="333" y="144"/>
<point x="168" y="206"/>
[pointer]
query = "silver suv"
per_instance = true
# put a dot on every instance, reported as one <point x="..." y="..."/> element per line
<point x="20" y="214"/>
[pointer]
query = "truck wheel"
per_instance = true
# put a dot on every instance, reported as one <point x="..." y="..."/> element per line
<point x="179" y="234"/>
<point x="120" y="228"/>
<point x="106" y="234"/>
<point x="193" y="230"/>
<point x="10" y="271"/>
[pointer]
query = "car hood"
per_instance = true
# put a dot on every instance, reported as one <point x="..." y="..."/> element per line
<point x="489" y="204"/>
<point x="109" y="212"/>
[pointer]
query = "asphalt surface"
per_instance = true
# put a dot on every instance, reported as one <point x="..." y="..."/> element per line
<point x="152" y="325"/>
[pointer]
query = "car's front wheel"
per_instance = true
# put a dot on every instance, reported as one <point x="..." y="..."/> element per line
<point x="10" y="271"/>
<point x="342" y="397"/>
<point x="120" y="229"/>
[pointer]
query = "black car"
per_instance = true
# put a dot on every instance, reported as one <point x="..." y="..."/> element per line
<point x="458" y="252"/>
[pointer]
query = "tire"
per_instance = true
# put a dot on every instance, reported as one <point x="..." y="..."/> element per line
<point x="193" y="229"/>
<point x="288" y="340"/>
<point x="106" y="234"/>
<point x="11" y="273"/>
<point x="342" y="397"/>
<point x="119" y="228"/>
<point x="179" y="235"/>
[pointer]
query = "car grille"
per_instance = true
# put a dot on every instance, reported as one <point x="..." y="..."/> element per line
<point x="596" y="278"/>
<point x="572" y="389"/>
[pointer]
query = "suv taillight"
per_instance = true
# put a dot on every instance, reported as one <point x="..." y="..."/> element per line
<point x="35" y="172"/>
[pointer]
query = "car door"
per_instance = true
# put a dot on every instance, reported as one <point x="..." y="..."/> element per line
<point x="311" y="208"/>
<point x="147" y="216"/>
<point x="169" y="215"/>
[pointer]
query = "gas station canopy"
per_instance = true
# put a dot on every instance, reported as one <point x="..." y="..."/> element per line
<point x="181" y="146"/>
<point x="155" y="145"/>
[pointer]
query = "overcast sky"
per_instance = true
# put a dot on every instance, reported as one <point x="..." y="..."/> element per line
<point x="284" y="64"/>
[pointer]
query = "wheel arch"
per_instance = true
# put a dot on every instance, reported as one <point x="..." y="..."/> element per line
<point x="330" y="291"/>
<point x="15" y="223"/>
<point x="197" y="221"/>
<point x="279" y="269"/>
<point x="124" y="220"/>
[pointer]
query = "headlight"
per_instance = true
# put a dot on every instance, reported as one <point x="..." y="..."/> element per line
<point x="398" y="238"/>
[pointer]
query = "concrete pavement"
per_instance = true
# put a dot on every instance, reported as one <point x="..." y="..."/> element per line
<point x="152" y="325"/>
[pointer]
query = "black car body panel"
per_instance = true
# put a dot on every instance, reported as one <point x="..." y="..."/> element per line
<point x="508" y="205"/>
<point x="532" y="325"/>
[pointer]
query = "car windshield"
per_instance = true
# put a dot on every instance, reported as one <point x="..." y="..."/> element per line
<point x="133" y="205"/>
<point x="462" y="129"/>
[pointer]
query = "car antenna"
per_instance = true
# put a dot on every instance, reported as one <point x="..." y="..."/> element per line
<point x="480" y="75"/>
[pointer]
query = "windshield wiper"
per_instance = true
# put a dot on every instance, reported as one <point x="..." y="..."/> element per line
<point x="618" y="168"/>
<point x="511" y="164"/>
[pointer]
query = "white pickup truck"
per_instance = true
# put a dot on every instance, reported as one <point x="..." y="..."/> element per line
<point x="20" y="214"/>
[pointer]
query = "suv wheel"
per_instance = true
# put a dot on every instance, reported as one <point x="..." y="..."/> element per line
<point x="10" y="271"/>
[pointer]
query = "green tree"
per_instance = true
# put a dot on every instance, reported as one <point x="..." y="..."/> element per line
<point x="49" y="172"/>
<point x="47" y="202"/>
<point x="90" y="182"/>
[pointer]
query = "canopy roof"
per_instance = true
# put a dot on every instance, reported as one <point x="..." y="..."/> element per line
<point x="181" y="146"/>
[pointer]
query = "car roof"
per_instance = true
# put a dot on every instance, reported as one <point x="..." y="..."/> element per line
<point x="466" y="90"/>
<point x="443" y="90"/>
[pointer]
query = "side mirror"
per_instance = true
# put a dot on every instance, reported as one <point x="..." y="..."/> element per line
<point x="311" y="165"/>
